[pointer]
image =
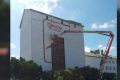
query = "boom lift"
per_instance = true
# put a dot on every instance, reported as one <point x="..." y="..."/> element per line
<point x="107" y="49"/>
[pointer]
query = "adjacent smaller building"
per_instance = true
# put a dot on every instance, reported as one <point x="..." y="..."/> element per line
<point x="93" y="60"/>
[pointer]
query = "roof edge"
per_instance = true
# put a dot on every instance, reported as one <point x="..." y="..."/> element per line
<point x="22" y="18"/>
<point x="69" y="21"/>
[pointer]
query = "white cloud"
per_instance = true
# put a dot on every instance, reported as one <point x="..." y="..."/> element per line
<point x="94" y="26"/>
<point x="87" y="49"/>
<point x="13" y="46"/>
<point x="104" y="47"/>
<point x="12" y="55"/>
<point x="114" y="21"/>
<point x="46" y="6"/>
<point x="15" y="55"/>
<point x="105" y="25"/>
<point x="100" y="46"/>
<point x="112" y="48"/>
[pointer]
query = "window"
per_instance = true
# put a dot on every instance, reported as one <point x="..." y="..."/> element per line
<point x="106" y="61"/>
<point x="110" y="67"/>
<point x="109" y="61"/>
<point x="113" y="68"/>
<point x="106" y="67"/>
<point x="113" y="62"/>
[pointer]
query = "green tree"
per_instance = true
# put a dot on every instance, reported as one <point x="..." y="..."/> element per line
<point x="68" y="74"/>
<point x="15" y="66"/>
<point x="25" y="70"/>
<point x="84" y="73"/>
<point x="97" y="51"/>
<point x="90" y="73"/>
<point x="109" y="76"/>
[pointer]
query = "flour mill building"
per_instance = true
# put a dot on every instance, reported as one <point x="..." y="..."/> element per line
<point x="37" y="33"/>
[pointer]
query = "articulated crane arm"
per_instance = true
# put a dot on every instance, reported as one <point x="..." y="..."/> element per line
<point x="106" y="52"/>
<point x="107" y="33"/>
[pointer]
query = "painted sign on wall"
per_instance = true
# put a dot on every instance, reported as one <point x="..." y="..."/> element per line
<point x="55" y="26"/>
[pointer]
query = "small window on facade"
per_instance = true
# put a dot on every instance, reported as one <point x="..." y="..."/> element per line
<point x="74" y="25"/>
<point x="109" y="61"/>
<point x="113" y="68"/>
<point x="113" y="62"/>
<point x="106" y="61"/>
<point x="110" y="67"/>
<point x="106" y="67"/>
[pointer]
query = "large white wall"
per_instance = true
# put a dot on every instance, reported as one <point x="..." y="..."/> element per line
<point x="74" y="50"/>
<point x="93" y="61"/>
<point x="37" y="40"/>
<point x="25" y="36"/>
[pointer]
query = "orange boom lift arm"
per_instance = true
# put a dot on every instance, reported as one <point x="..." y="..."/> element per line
<point x="107" y="49"/>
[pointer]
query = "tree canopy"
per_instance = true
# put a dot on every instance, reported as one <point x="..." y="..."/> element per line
<point x="25" y="70"/>
<point x="29" y="70"/>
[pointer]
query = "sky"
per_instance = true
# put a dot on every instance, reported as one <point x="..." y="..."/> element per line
<point x="93" y="14"/>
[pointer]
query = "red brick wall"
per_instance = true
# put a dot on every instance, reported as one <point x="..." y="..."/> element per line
<point x="58" y="58"/>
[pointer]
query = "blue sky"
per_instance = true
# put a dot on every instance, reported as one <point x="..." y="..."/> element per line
<point x="93" y="14"/>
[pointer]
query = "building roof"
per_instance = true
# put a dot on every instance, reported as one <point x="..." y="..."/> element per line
<point x="69" y="21"/>
<point x="92" y="54"/>
<point x="98" y="55"/>
<point x="74" y="22"/>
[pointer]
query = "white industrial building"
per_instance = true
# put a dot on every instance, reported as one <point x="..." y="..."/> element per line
<point x="36" y="32"/>
<point x="93" y="60"/>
